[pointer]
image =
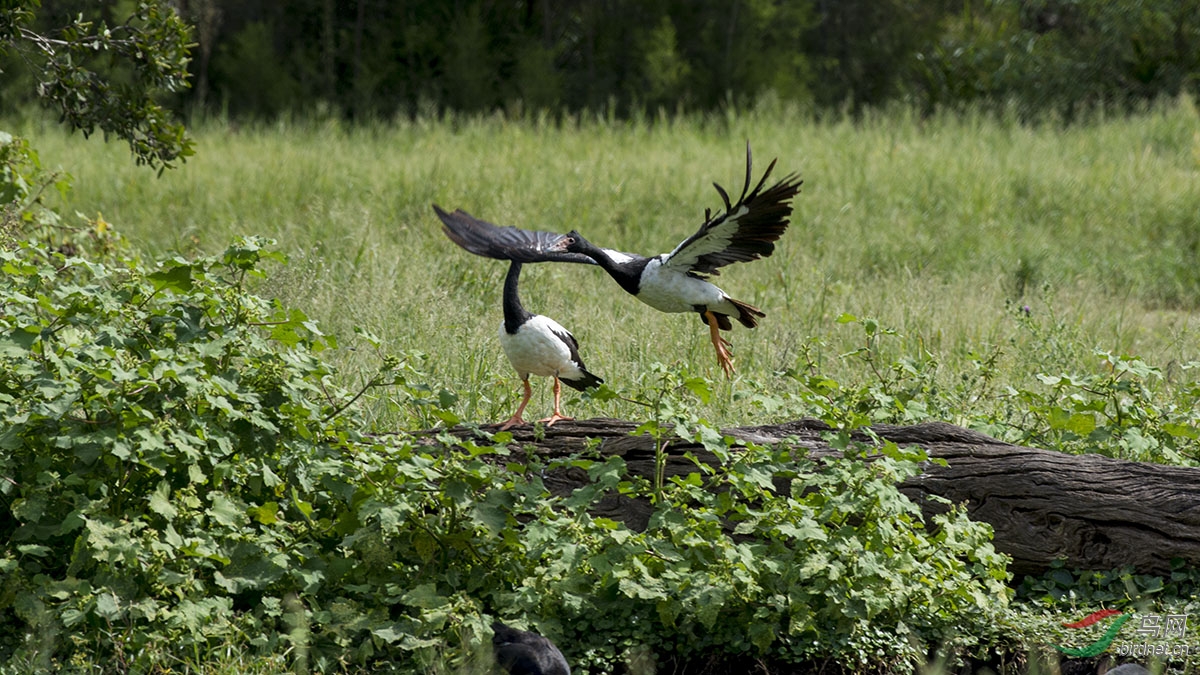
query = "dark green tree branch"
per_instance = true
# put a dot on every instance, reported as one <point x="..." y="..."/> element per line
<point x="109" y="77"/>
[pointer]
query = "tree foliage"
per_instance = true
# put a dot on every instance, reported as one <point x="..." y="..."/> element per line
<point x="371" y="58"/>
<point x="106" y="72"/>
<point x="112" y="65"/>
<point x="1063" y="55"/>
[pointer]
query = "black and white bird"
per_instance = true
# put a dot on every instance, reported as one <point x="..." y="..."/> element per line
<point x="534" y="344"/>
<point x="671" y="282"/>
<point x="522" y="652"/>
<point x="538" y="345"/>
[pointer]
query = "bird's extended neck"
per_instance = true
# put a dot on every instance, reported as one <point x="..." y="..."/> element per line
<point x="515" y="313"/>
<point x="627" y="273"/>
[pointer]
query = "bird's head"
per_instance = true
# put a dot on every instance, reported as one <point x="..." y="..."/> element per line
<point x="576" y="243"/>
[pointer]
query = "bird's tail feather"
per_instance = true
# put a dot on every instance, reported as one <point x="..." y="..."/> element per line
<point x="586" y="382"/>
<point x="748" y="315"/>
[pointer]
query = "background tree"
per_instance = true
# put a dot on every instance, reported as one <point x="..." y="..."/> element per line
<point x="104" y="65"/>
<point x="864" y="50"/>
<point x="379" y="59"/>
<point x="1063" y="55"/>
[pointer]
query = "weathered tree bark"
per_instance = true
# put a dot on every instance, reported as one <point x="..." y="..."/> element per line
<point x="1095" y="512"/>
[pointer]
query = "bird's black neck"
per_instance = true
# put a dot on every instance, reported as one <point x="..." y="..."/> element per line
<point x="627" y="274"/>
<point x="514" y="313"/>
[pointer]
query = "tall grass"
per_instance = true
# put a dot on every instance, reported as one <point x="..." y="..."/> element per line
<point x="963" y="233"/>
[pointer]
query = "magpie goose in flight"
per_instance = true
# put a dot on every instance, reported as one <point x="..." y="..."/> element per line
<point x="522" y="652"/>
<point x="670" y="282"/>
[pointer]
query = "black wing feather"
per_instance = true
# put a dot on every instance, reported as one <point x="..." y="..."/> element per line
<point x="506" y="243"/>
<point x="752" y="234"/>
<point x="724" y="197"/>
<point x="589" y="379"/>
<point x="749" y="163"/>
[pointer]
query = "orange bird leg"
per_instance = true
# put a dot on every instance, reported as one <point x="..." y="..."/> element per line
<point x="516" y="418"/>
<point x="720" y="344"/>
<point x="557" y="416"/>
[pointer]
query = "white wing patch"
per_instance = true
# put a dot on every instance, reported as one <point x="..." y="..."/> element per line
<point x="717" y="238"/>
<point x="619" y="257"/>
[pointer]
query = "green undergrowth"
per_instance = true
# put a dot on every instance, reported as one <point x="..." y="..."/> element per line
<point x="1159" y="631"/>
<point x="1125" y="408"/>
<point x="183" y="478"/>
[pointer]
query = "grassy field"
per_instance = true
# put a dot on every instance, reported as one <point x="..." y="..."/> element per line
<point x="970" y="236"/>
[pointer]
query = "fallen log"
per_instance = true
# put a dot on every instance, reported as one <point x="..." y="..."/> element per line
<point x="1091" y="511"/>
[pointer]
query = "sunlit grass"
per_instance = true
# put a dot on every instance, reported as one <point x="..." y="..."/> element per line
<point x="942" y="228"/>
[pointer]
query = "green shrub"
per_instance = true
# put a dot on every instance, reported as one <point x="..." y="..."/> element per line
<point x="153" y="418"/>
<point x="1124" y="410"/>
<point x="837" y="565"/>
<point x="23" y="183"/>
<point x="769" y="555"/>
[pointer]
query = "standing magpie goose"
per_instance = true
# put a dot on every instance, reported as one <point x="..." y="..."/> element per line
<point x="671" y="282"/>
<point x="522" y="652"/>
<point x="538" y="345"/>
<point x="534" y="344"/>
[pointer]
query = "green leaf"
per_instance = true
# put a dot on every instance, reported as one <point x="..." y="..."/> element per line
<point x="1058" y="418"/>
<point x="1081" y="423"/>
<point x="425" y="596"/>
<point x="172" y="536"/>
<point x="267" y="514"/>
<point x="493" y="512"/>
<point x="392" y="633"/>
<point x="160" y="501"/>
<point x="1182" y="430"/>
<point x="645" y="589"/>
<point x="806" y="530"/>
<point x="35" y="550"/>
<point x="224" y="511"/>
<point x="371" y="339"/>
<point x="176" y="278"/>
<point x="17" y="342"/>
<point x="108" y="607"/>
<point x="700" y="387"/>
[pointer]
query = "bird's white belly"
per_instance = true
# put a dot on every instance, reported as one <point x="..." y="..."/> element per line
<point x="534" y="349"/>
<point x="672" y="291"/>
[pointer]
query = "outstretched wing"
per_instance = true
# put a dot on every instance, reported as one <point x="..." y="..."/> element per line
<point x="506" y="243"/>
<point x="746" y="231"/>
